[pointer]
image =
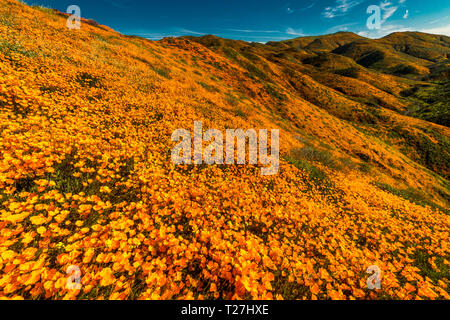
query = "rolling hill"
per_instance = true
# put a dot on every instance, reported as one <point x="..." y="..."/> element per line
<point x="87" y="180"/>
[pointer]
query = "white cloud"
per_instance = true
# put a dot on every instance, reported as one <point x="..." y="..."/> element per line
<point x="388" y="13"/>
<point x="385" y="4"/>
<point x="405" y="16"/>
<point x="341" y="8"/>
<point x="389" y="9"/>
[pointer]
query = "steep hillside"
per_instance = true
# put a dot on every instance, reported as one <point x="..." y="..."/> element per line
<point x="374" y="103"/>
<point x="87" y="180"/>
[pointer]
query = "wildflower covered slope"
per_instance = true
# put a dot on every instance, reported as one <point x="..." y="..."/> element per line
<point x="86" y="177"/>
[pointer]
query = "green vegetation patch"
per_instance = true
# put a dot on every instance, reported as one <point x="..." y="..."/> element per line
<point x="7" y="47"/>
<point x="412" y="195"/>
<point x="431" y="103"/>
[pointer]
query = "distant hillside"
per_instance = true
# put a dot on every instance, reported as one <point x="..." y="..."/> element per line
<point x="320" y="43"/>
<point x="87" y="181"/>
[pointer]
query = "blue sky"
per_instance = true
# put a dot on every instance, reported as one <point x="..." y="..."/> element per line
<point x="260" y="20"/>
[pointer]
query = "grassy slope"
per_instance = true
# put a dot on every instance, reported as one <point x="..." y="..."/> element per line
<point x="86" y="176"/>
<point x="372" y="102"/>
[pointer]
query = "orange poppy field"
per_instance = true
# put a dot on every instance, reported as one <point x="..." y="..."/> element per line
<point x="87" y="180"/>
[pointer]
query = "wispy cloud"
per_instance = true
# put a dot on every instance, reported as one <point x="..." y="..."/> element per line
<point x="252" y="31"/>
<point x="406" y="15"/>
<point x="294" y="32"/>
<point x="191" y="32"/>
<point x="291" y="9"/>
<point x="341" y="27"/>
<point x="390" y="8"/>
<point x="440" y="19"/>
<point x="388" y="12"/>
<point x="341" y="8"/>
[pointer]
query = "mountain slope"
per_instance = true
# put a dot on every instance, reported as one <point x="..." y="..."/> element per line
<point x="86" y="177"/>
